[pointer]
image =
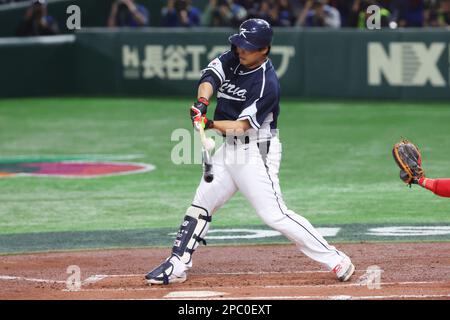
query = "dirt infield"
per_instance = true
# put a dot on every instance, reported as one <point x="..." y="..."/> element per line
<point x="409" y="271"/>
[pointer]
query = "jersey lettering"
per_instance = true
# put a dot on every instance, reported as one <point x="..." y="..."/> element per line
<point x="233" y="90"/>
<point x="252" y="94"/>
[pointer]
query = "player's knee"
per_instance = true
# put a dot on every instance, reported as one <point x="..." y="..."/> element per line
<point x="273" y="219"/>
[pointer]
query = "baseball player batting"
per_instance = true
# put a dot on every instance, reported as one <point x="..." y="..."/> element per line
<point x="248" y="95"/>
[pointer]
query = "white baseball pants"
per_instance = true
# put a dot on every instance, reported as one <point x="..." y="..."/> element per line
<point x="242" y="167"/>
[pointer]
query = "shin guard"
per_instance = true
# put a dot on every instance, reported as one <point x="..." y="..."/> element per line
<point x="192" y="230"/>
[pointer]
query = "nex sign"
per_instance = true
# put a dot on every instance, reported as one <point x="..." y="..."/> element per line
<point x="405" y="64"/>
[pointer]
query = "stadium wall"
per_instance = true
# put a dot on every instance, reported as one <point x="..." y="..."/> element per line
<point x="40" y="66"/>
<point x="348" y="63"/>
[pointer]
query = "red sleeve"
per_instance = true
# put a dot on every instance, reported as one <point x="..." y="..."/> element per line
<point x="440" y="187"/>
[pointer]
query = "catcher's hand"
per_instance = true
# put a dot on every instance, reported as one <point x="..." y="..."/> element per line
<point x="408" y="158"/>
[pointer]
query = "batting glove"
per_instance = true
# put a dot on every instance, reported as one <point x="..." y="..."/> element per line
<point x="199" y="108"/>
<point x="204" y="122"/>
<point x="207" y="123"/>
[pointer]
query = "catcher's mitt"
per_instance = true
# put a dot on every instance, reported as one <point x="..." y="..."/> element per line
<point x="409" y="159"/>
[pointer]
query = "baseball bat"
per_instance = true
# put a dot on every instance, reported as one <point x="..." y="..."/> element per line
<point x="208" y="175"/>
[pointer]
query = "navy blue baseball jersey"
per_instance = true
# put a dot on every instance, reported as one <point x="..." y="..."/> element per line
<point x="242" y="93"/>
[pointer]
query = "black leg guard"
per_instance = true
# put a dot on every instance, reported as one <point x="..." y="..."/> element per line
<point x="191" y="233"/>
<point x="194" y="227"/>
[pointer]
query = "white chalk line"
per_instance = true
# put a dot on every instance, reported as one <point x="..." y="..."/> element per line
<point x="234" y="273"/>
<point x="30" y="279"/>
<point x="91" y="279"/>
<point x="110" y="289"/>
<point x="226" y="273"/>
<point x="96" y="278"/>
<point x="340" y="285"/>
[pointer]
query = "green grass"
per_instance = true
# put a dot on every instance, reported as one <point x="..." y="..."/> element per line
<point x="337" y="166"/>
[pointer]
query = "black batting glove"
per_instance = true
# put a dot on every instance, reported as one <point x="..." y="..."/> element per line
<point x="199" y="108"/>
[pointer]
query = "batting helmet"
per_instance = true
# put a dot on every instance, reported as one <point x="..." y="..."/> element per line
<point x="253" y="34"/>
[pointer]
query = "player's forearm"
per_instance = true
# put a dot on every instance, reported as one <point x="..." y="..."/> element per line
<point x="440" y="187"/>
<point x="237" y="127"/>
<point x="205" y="90"/>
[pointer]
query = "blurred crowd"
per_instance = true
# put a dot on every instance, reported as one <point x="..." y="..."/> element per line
<point x="37" y="21"/>
<point x="308" y="13"/>
<point x="231" y="13"/>
<point x="9" y="1"/>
